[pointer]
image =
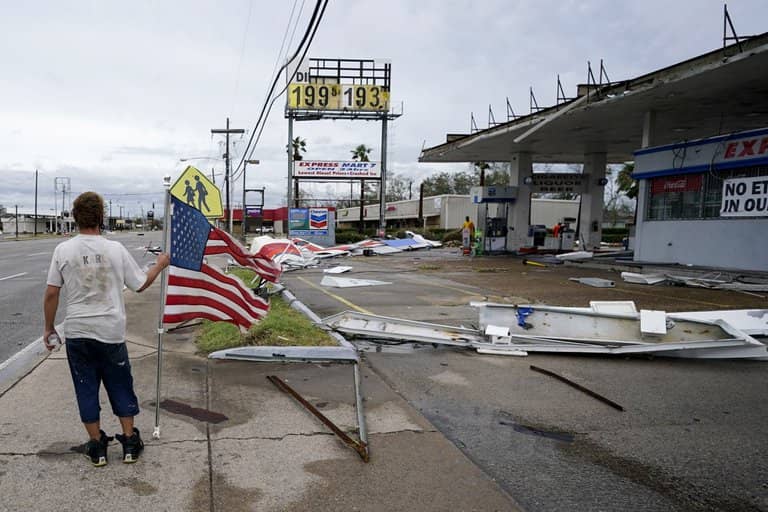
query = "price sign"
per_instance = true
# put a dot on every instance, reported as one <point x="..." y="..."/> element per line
<point x="364" y="97"/>
<point x="371" y="98"/>
<point x="314" y="96"/>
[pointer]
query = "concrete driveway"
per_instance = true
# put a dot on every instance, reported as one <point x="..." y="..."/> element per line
<point x="692" y="434"/>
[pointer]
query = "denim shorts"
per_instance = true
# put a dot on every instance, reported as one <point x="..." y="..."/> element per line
<point x="92" y="362"/>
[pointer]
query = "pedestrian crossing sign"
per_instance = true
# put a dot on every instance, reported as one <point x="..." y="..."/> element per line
<point x="195" y="189"/>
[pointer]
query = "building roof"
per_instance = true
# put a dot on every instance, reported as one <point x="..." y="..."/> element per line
<point x="722" y="91"/>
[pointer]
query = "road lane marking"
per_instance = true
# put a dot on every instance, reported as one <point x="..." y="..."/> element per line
<point x="14" y="275"/>
<point x="38" y="253"/>
<point x="333" y="295"/>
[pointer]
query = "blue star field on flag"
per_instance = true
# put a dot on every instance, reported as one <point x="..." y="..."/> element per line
<point x="189" y="234"/>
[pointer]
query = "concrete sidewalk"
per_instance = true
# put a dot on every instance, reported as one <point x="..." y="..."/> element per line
<point x="261" y="451"/>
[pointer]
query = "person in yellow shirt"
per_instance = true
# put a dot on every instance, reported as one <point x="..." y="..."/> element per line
<point x="467" y="231"/>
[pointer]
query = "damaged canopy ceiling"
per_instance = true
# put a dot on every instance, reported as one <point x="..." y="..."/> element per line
<point x="722" y="91"/>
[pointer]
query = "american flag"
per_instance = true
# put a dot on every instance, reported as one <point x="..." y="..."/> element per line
<point x="198" y="290"/>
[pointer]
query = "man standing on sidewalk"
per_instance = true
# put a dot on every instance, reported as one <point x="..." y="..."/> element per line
<point x="93" y="271"/>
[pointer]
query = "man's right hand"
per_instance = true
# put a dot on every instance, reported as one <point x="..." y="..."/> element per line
<point x="163" y="260"/>
<point x="47" y="333"/>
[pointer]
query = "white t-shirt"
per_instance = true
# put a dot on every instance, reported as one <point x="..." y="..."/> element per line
<point x="92" y="271"/>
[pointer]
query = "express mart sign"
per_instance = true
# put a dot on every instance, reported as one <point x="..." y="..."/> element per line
<point x="336" y="169"/>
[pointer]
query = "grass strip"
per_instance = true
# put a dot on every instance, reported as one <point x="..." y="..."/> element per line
<point x="282" y="326"/>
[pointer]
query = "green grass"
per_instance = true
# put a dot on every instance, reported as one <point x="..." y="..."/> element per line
<point x="217" y="336"/>
<point x="428" y="266"/>
<point x="286" y="326"/>
<point x="281" y="326"/>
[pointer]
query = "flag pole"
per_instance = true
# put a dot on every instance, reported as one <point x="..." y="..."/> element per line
<point x="163" y="290"/>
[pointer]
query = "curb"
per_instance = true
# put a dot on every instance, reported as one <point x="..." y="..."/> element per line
<point x="21" y="363"/>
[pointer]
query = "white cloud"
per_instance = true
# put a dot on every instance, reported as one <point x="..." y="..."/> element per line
<point x="113" y="96"/>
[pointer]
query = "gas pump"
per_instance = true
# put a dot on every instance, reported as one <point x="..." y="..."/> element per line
<point x="496" y="200"/>
<point x="496" y="233"/>
<point x="567" y="234"/>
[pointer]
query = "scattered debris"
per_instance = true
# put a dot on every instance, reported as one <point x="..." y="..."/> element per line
<point x="406" y="244"/>
<point x="337" y="270"/>
<point x="533" y="263"/>
<point x="710" y="280"/>
<point x="578" y="386"/>
<point x="380" y="250"/>
<point x="594" y="281"/>
<point x="751" y="321"/>
<point x="613" y="306"/>
<point x="603" y="328"/>
<point x="650" y="279"/>
<point x="421" y="239"/>
<point x="718" y="282"/>
<point x="575" y="256"/>
<point x="345" y="282"/>
<point x="376" y="327"/>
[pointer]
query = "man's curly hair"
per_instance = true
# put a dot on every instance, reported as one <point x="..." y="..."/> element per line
<point x="88" y="210"/>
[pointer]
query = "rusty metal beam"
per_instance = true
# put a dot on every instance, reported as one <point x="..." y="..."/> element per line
<point x="579" y="387"/>
<point x="359" y="446"/>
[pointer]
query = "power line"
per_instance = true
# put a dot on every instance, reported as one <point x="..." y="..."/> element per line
<point x="275" y="98"/>
<point x="307" y="33"/>
<point x="306" y="49"/>
<point x="283" y="47"/>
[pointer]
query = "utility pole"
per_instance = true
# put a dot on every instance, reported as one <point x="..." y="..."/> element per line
<point x="35" y="228"/>
<point x="17" y="221"/>
<point x="244" y="222"/>
<point x="383" y="187"/>
<point x="227" y="181"/>
<point x="65" y="186"/>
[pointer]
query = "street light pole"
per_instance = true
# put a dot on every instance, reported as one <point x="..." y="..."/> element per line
<point x="244" y="223"/>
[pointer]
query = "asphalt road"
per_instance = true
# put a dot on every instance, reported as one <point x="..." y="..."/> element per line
<point x="23" y="270"/>
<point x="691" y="438"/>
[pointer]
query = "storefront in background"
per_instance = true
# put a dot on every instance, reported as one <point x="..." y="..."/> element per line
<point x="705" y="202"/>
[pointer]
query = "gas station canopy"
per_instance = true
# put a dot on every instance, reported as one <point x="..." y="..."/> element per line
<point x="722" y="91"/>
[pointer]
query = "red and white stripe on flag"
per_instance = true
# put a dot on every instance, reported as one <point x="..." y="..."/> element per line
<point x="213" y="295"/>
<point x="221" y="242"/>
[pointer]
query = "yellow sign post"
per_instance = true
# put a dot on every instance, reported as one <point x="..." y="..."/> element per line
<point x="196" y="190"/>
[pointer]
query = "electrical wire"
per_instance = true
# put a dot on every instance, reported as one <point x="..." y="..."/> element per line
<point x="283" y="49"/>
<point x="304" y="54"/>
<point x="311" y="28"/>
<point x="295" y="26"/>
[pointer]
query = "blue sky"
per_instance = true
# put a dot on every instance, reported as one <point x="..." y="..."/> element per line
<point x="112" y="95"/>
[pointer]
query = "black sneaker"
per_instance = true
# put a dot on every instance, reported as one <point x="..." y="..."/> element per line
<point x="96" y="451"/>
<point x="132" y="446"/>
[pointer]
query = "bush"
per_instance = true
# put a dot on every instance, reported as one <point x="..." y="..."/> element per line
<point x="614" y="235"/>
<point x="613" y="239"/>
<point x="616" y="231"/>
<point x="349" y="236"/>
<point x="452" y="236"/>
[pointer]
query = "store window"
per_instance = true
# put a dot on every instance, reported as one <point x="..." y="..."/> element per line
<point x="692" y="196"/>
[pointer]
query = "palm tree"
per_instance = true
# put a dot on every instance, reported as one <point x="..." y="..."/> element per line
<point x="299" y="146"/>
<point x="626" y="182"/>
<point x="361" y="153"/>
<point x="481" y="167"/>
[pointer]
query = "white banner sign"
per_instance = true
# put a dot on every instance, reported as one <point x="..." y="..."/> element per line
<point x="336" y="169"/>
<point x="745" y="197"/>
